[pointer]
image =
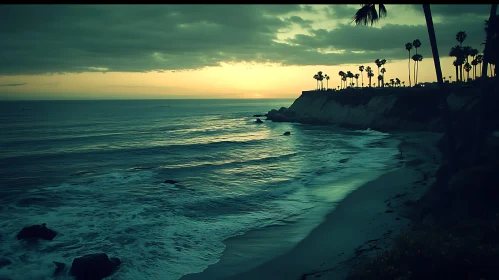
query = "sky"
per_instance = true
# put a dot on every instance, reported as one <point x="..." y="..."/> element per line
<point x="213" y="51"/>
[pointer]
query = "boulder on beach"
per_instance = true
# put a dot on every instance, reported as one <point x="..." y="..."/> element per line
<point x="258" y="120"/>
<point x="36" y="231"/>
<point x="173" y="182"/>
<point x="94" y="266"/>
<point x="287" y="133"/>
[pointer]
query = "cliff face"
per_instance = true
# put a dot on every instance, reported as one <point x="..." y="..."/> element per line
<point x="379" y="109"/>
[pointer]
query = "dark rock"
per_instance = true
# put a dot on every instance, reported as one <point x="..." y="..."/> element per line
<point x="4" y="262"/>
<point x="259" y="121"/>
<point x="344" y="160"/>
<point x="60" y="269"/>
<point x="173" y="182"/>
<point x="94" y="266"/>
<point x="36" y="231"/>
<point x="287" y="133"/>
<point x="259" y="115"/>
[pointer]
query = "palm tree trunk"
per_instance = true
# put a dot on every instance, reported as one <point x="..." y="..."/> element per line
<point x="457" y="73"/>
<point x="479" y="138"/>
<point x="362" y="78"/>
<point x="438" y="70"/>
<point x="409" y="68"/>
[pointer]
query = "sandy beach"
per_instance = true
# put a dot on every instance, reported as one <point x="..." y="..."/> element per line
<point x="360" y="225"/>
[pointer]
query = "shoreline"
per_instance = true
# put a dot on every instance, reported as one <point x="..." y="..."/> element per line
<point x="362" y="223"/>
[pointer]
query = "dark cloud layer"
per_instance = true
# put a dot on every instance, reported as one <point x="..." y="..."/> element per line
<point x="78" y="38"/>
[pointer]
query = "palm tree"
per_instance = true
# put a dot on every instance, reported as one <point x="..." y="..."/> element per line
<point x="408" y="47"/>
<point x="383" y="70"/>
<point x="467" y="68"/>
<point x="460" y="37"/>
<point x="458" y="52"/>
<point x="479" y="59"/>
<point x="357" y="75"/>
<point x="361" y="69"/>
<point x="370" y="74"/>
<point x="416" y="43"/>
<point x="380" y="79"/>
<point x="320" y="77"/>
<point x="474" y="62"/>
<point x="397" y="82"/>
<point x="350" y="75"/>
<point x="403" y="83"/>
<point x="341" y="73"/>
<point x="450" y="79"/>
<point x="379" y="64"/>
<point x="327" y="81"/>
<point x="316" y="77"/>
<point x="417" y="58"/>
<point x="344" y="79"/>
<point x="368" y="14"/>
<point x="473" y="53"/>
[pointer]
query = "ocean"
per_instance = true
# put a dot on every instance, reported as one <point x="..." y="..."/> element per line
<point x="94" y="171"/>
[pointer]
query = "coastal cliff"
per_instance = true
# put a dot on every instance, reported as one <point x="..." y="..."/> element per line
<point x="380" y="109"/>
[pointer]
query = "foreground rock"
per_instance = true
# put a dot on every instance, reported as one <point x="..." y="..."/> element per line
<point x="36" y="231"/>
<point x="287" y="133"/>
<point x="258" y="120"/>
<point x="173" y="182"/>
<point x="94" y="266"/>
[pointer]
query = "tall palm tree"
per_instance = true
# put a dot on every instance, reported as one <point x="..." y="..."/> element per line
<point x="408" y="47"/>
<point x="320" y="78"/>
<point x="467" y="68"/>
<point x="380" y="80"/>
<point x="383" y="70"/>
<point x="460" y="37"/>
<point x="361" y="69"/>
<point x="368" y="14"/>
<point x="327" y="81"/>
<point x="474" y="62"/>
<point x="416" y="43"/>
<point x="417" y="58"/>
<point x="479" y="59"/>
<point x="344" y="79"/>
<point x="316" y="77"/>
<point x="379" y="64"/>
<point x="341" y="73"/>
<point x="458" y="52"/>
<point x="370" y="74"/>
<point x="350" y="75"/>
<point x="456" y="64"/>
<point x="357" y="75"/>
<point x="473" y="53"/>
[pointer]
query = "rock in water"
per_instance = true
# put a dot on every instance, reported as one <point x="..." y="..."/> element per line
<point x="94" y="266"/>
<point x="4" y="262"/>
<point x="258" y="120"/>
<point x="173" y="182"/>
<point x="36" y="231"/>
<point x="287" y="133"/>
<point x="59" y="269"/>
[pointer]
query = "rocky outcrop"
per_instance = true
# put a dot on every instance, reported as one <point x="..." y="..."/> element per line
<point x="36" y="232"/>
<point x="94" y="266"/>
<point x="379" y="109"/>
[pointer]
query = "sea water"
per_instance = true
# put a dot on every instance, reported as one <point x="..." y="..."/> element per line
<point x="94" y="171"/>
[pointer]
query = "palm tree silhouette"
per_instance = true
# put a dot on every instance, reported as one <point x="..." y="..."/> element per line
<point x="320" y="77"/>
<point x="479" y="59"/>
<point x="357" y="79"/>
<point x="341" y="74"/>
<point x="379" y="64"/>
<point x="416" y="43"/>
<point x="408" y="47"/>
<point x="458" y="53"/>
<point x="316" y="77"/>
<point x="361" y="69"/>
<point x="460" y="37"/>
<point x="417" y="58"/>
<point x="383" y="70"/>
<point x="350" y="75"/>
<point x="380" y="79"/>
<point x="368" y="14"/>
<point x="474" y="62"/>
<point x="397" y="82"/>
<point x="403" y="83"/>
<point x="344" y="79"/>
<point x="327" y="82"/>
<point x="370" y="74"/>
<point x="467" y="68"/>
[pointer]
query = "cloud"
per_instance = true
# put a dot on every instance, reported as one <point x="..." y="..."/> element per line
<point x="40" y="39"/>
<point x="13" y="85"/>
